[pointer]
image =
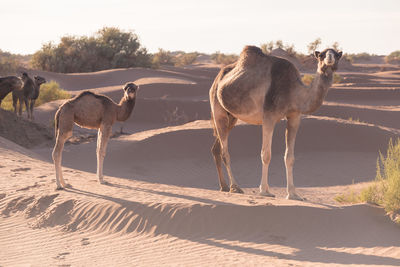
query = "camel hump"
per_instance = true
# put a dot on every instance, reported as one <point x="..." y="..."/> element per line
<point x="250" y="55"/>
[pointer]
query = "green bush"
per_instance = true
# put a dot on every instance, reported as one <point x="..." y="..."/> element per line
<point x="393" y="57"/>
<point x="109" y="48"/>
<point x="48" y="92"/>
<point x="385" y="191"/>
<point x="51" y="91"/>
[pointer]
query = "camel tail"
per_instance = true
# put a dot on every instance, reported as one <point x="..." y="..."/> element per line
<point x="213" y="125"/>
<point x="56" y="122"/>
<point x="224" y="70"/>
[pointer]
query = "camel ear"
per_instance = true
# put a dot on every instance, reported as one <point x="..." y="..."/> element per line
<point x="316" y="54"/>
<point x="339" y="54"/>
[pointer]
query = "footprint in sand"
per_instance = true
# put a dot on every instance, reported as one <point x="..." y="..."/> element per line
<point x="61" y="256"/>
<point x="85" y="241"/>
<point x="20" y="169"/>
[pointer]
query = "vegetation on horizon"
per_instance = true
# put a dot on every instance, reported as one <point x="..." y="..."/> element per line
<point x="49" y="91"/>
<point x="109" y="48"/>
<point x="10" y="63"/>
<point x="393" y="57"/>
<point x="224" y="59"/>
<point x="268" y="47"/>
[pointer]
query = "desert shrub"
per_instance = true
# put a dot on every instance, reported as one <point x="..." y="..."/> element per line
<point x="308" y="78"/>
<point x="108" y="48"/>
<point x="184" y="59"/>
<point x="385" y="190"/>
<point x="48" y="92"/>
<point x="224" y="59"/>
<point x="162" y="57"/>
<point x="51" y="91"/>
<point x="348" y="197"/>
<point x="360" y="56"/>
<point x="337" y="78"/>
<point x="393" y="57"/>
<point x="311" y="47"/>
<point x="267" y="48"/>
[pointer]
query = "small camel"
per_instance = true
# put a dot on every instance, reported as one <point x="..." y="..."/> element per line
<point x="28" y="94"/>
<point x="92" y="111"/>
<point x="261" y="90"/>
<point x="9" y="84"/>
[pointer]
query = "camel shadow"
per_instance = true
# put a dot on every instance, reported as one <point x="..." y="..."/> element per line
<point x="312" y="233"/>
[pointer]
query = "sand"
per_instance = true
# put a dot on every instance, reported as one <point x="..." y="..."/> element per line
<point x="162" y="206"/>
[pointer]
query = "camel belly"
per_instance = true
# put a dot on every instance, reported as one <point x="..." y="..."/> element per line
<point x="246" y="106"/>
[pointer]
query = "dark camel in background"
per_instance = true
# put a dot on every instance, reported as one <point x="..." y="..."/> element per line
<point x="28" y="94"/>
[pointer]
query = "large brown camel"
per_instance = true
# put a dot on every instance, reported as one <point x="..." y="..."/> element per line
<point x="92" y="111"/>
<point x="9" y="84"/>
<point x="261" y="90"/>
<point x="28" y="94"/>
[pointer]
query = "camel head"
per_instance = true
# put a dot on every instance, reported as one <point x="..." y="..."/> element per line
<point x="39" y="80"/>
<point x="24" y="76"/>
<point x="130" y="90"/>
<point x="328" y="60"/>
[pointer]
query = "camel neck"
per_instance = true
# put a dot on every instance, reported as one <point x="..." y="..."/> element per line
<point x="125" y="108"/>
<point x="318" y="90"/>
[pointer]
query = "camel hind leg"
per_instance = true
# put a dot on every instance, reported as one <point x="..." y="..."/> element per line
<point x="63" y="132"/>
<point x="217" y="153"/>
<point x="103" y="136"/>
<point x="224" y="122"/>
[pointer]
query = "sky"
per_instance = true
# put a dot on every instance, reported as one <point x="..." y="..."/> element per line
<point x="206" y="25"/>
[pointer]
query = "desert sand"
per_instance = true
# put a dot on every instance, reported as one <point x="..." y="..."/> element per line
<point x="162" y="206"/>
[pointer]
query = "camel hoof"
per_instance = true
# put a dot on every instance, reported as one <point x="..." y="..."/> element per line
<point x="236" y="189"/>
<point x="59" y="188"/>
<point x="266" y="194"/>
<point x="104" y="183"/>
<point x="295" y="197"/>
<point x="224" y="188"/>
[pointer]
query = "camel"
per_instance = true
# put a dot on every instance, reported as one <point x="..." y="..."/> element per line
<point x="261" y="90"/>
<point x="9" y="84"/>
<point x="92" y="111"/>
<point x="28" y="94"/>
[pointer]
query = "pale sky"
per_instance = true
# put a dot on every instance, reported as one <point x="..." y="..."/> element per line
<point x="206" y="25"/>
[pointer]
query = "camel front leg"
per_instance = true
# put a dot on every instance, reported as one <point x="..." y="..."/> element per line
<point x="267" y="133"/>
<point x="293" y="124"/>
<point x="15" y="102"/>
<point x="31" y="105"/>
<point x="104" y="134"/>
<point x="28" y="111"/>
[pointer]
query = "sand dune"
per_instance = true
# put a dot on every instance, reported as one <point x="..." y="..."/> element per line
<point x="161" y="204"/>
<point x="176" y="224"/>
